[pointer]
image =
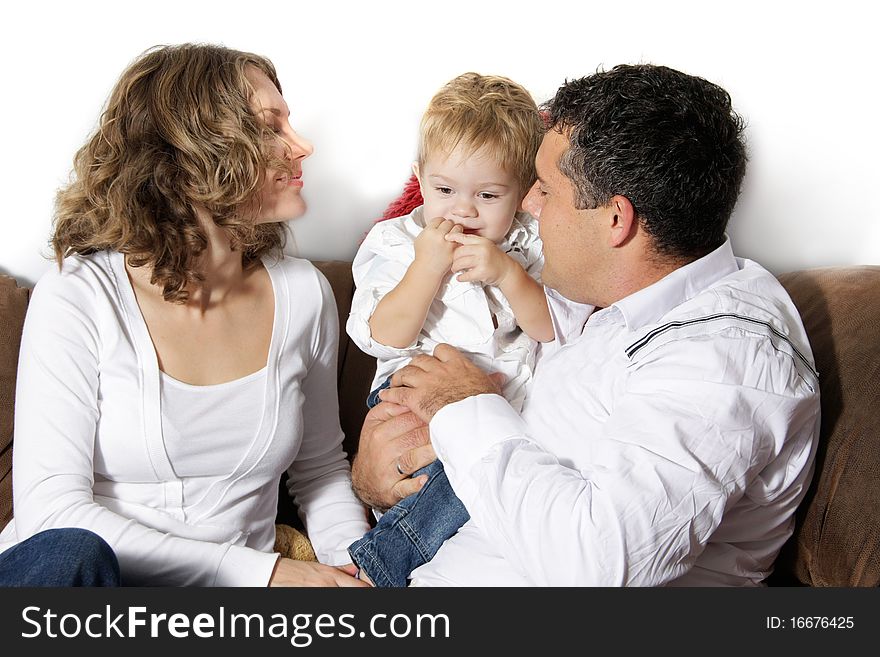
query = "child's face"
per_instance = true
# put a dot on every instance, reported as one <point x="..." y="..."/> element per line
<point x="471" y="190"/>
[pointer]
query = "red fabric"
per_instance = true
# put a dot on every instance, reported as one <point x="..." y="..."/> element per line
<point x="410" y="198"/>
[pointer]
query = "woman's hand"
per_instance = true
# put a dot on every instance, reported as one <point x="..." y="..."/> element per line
<point x="433" y="251"/>
<point x="289" y="572"/>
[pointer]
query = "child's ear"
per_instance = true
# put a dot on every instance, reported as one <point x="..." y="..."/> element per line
<point x="415" y="170"/>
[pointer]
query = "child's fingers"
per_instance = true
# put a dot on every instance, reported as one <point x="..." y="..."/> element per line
<point x="463" y="238"/>
<point x="467" y="251"/>
<point x="440" y="225"/>
<point x="464" y="262"/>
<point x="446" y="226"/>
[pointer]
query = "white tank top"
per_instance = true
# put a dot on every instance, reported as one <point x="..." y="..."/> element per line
<point x="220" y="420"/>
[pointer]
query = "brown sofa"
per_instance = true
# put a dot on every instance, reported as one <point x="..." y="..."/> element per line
<point x="837" y="539"/>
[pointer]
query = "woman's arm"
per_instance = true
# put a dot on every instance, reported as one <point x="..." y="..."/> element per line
<point x="319" y="479"/>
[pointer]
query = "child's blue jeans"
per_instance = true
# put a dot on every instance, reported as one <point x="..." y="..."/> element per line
<point x="412" y="531"/>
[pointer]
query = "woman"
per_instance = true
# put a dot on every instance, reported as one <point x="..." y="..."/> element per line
<point x="178" y="363"/>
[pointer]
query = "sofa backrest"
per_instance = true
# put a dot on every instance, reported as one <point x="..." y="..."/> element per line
<point x="13" y="304"/>
<point x="837" y="538"/>
<point x="355" y="368"/>
<point x="837" y="541"/>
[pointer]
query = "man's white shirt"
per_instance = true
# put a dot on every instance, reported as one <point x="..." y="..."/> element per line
<point x="666" y="439"/>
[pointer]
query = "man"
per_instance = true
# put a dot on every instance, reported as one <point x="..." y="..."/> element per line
<point x="669" y="432"/>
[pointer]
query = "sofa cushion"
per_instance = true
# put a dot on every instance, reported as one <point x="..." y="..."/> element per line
<point x="837" y="540"/>
<point x="13" y="303"/>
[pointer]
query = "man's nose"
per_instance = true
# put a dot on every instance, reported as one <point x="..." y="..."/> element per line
<point x="532" y="203"/>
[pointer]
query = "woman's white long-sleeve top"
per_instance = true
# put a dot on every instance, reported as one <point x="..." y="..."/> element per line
<point x="89" y="449"/>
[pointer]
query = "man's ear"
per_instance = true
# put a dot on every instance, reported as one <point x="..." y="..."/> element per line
<point x="623" y="220"/>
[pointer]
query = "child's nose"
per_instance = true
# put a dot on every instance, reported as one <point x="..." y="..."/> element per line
<point x="464" y="208"/>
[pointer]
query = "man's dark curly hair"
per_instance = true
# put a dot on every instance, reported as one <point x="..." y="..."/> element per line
<point x="669" y="142"/>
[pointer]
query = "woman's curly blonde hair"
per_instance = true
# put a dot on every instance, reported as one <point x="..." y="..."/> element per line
<point x="178" y="133"/>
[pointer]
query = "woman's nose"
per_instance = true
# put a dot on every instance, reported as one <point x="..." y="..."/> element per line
<point x="298" y="147"/>
<point x="305" y="146"/>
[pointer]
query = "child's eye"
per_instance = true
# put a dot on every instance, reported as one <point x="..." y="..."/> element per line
<point x="444" y="190"/>
<point x="486" y="196"/>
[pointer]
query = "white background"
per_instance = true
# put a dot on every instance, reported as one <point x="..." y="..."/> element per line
<point x="358" y="75"/>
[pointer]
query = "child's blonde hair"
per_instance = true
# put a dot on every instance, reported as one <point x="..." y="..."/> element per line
<point x="485" y="111"/>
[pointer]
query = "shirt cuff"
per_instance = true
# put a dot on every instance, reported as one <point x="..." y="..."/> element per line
<point x="340" y="557"/>
<point x="244" y="566"/>
<point x="464" y="433"/>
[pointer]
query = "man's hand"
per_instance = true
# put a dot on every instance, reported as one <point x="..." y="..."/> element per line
<point x="433" y="252"/>
<point x="479" y="259"/>
<point x="392" y="437"/>
<point x="429" y="383"/>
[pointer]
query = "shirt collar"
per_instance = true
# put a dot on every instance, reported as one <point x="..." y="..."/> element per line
<point x="519" y="234"/>
<point x="649" y="304"/>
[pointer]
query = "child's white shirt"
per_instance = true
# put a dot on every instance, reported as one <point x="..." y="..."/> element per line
<point x="461" y="313"/>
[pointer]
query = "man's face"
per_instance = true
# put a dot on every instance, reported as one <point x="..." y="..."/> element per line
<point x="573" y="239"/>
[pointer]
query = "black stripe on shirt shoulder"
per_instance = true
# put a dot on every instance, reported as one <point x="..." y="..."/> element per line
<point x="671" y="326"/>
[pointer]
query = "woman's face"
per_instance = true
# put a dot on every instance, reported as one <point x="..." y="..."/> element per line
<point x="281" y="197"/>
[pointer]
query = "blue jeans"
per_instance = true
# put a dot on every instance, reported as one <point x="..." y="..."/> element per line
<point x="412" y="531"/>
<point x="60" y="557"/>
